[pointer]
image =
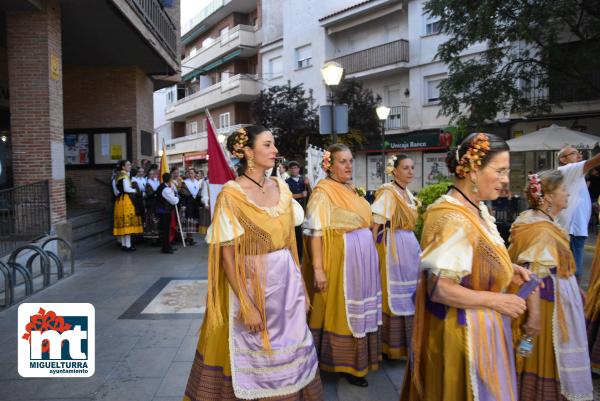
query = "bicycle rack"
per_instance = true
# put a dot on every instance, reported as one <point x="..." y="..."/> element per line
<point x="45" y="263"/>
<point x="8" y="284"/>
<point x="59" y="239"/>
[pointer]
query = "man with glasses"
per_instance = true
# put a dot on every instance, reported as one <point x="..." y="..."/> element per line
<point x="576" y="216"/>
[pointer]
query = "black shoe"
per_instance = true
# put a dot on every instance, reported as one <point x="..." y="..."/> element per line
<point x="124" y="248"/>
<point x="190" y="242"/>
<point x="356" y="381"/>
<point x="172" y="248"/>
<point x="167" y="251"/>
<point x="132" y="248"/>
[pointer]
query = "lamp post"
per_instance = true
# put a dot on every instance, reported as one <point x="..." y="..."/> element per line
<point x="383" y="112"/>
<point x="332" y="75"/>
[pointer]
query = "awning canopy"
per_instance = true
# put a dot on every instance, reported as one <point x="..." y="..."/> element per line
<point x="553" y="137"/>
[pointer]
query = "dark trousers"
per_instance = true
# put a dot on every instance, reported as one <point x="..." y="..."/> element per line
<point x="164" y="228"/>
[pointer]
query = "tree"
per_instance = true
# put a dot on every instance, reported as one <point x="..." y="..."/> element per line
<point x="539" y="52"/>
<point x="363" y="123"/>
<point x="290" y="114"/>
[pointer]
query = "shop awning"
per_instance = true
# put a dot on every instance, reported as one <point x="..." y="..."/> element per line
<point x="553" y="137"/>
<point x="211" y="66"/>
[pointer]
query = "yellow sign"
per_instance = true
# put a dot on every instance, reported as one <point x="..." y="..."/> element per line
<point x="116" y="153"/>
<point x="54" y="67"/>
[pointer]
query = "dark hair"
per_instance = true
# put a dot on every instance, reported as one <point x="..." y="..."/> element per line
<point x="166" y="177"/>
<point x="497" y="145"/>
<point x="252" y="131"/>
<point x="121" y="164"/>
<point x="134" y="171"/>
<point x="399" y="158"/>
<point x="293" y="163"/>
<point x="174" y="168"/>
<point x="153" y="166"/>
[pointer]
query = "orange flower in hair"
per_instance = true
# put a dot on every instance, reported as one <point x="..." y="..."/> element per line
<point x="241" y="140"/>
<point x="478" y="149"/>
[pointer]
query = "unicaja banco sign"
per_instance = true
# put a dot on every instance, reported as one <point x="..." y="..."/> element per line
<point x="56" y="340"/>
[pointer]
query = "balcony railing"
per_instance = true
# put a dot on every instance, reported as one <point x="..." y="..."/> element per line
<point x="375" y="57"/>
<point x="158" y="21"/>
<point x="561" y="91"/>
<point x="398" y="118"/>
<point x="203" y="14"/>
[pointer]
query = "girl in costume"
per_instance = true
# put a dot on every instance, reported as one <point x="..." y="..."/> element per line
<point x="559" y="365"/>
<point x="462" y="342"/>
<point x="254" y="341"/>
<point x="126" y="219"/>
<point x="395" y="215"/>
<point x="190" y="206"/>
<point x="343" y="268"/>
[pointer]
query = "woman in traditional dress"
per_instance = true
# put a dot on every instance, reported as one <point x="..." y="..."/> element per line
<point x="462" y="342"/>
<point x="559" y="365"/>
<point x="344" y="268"/>
<point x="151" y="229"/>
<point x="190" y="206"/>
<point x="254" y="342"/>
<point x="395" y="215"/>
<point x="126" y="219"/>
<point x="592" y="310"/>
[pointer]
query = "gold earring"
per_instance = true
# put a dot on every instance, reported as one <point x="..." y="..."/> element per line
<point x="250" y="164"/>
<point x="474" y="187"/>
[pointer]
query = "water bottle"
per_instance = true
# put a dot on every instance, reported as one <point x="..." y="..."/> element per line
<point x="525" y="346"/>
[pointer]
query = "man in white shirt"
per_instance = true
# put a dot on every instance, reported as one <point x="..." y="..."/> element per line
<point x="576" y="216"/>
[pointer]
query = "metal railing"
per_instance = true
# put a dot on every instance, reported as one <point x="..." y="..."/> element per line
<point x="202" y="15"/>
<point x="378" y="56"/>
<point x="159" y="22"/>
<point x="24" y="215"/>
<point x="561" y="90"/>
<point x="398" y="118"/>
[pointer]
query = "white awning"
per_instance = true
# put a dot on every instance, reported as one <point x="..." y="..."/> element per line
<point x="553" y="137"/>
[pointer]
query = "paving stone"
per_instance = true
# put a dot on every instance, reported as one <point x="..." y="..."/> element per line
<point x="174" y="382"/>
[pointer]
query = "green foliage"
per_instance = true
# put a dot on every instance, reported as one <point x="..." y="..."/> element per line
<point x="292" y="117"/>
<point x="536" y="44"/>
<point x="428" y="195"/>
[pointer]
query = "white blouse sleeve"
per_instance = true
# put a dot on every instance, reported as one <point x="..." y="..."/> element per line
<point x="382" y="208"/>
<point x="298" y="213"/>
<point x="452" y="258"/>
<point x="225" y="227"/>
<point x="127" y="186"/>
<point x="313" y="225"/>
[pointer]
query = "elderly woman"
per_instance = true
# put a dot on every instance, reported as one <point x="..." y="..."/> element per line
<point x="559" y="365"/>
<point x="462" y="342"/>
<point x="395" y="215"/>
<point x="343" y="266"/>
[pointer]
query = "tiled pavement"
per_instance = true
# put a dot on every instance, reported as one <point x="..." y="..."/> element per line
<point x="143" y="356"/>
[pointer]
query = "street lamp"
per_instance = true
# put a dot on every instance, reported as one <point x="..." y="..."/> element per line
<point x="383" y="112"/>
<point x="332" y="75"/>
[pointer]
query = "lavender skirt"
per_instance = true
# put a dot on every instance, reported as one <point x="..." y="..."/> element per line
<point x="293" y="362"/>
<point x="362" y="283"/>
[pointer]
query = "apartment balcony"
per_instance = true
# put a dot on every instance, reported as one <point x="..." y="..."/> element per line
<point x="398" y="118"/>
<point x="376" y="60"/>
<point x="241" y="41"/>
<point x="238" y="88"/>
<point x="214" y="12"/>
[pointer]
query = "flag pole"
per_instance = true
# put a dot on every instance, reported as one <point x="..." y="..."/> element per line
<point x="180" y="227"/>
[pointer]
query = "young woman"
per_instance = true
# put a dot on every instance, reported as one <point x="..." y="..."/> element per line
<point x="254" y="342"/>
<point x="344" y="267"/>
<point x="126" y="219"/>
<point x="395" y="215"/>
<point x="559" y="365"/>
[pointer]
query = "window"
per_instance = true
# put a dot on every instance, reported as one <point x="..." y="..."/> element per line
<point x="193" y="51"/>
<point x="224" y="120"/>
<point x="146" y="143"/>
<point x="224" y="32"/>
<point x="207" y="42"/>
<point x="275" y="67"/>
<point x="432" y="25"/>
<point x="225" y="76"/>
<point x="432" y="89"/>
<point x="192" y="128"/>
<point x="303" y="57"/>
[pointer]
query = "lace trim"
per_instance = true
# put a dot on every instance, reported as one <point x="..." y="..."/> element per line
<point x="490" y="221"/>
<point x="281" y="206"/>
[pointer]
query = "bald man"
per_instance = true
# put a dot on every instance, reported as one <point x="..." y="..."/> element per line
<point x="576" y="216"/>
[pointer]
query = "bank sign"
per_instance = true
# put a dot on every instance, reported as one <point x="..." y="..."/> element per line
<point x="56" y="340"/>
<point x="419" y="141"/>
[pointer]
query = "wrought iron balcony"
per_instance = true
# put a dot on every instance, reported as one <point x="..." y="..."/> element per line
<point x="398" y="118"/>
<point x="158" y="21"/>
<point x="375" y="57"/>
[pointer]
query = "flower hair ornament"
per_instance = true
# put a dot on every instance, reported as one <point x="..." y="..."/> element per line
<point x="389" y="169"/>
<point x="534" y="187"/>
<point x="326" y="162"/>
<point x="478" y="148"/>
<point x="241" y="140"/>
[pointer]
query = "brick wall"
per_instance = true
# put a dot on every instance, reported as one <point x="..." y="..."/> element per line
<point x="34" y="47"/>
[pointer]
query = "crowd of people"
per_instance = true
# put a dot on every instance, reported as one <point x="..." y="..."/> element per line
<point x="303" y="280"/>
<point x="161" y="210"/>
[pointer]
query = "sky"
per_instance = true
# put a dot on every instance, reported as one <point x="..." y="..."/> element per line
<point x="189" y="8"/>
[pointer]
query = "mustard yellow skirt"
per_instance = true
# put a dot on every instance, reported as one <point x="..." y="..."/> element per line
<point x="126" y="221"/>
